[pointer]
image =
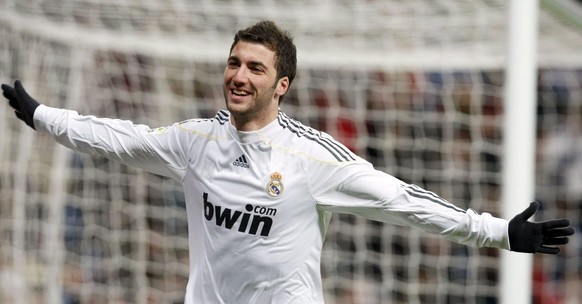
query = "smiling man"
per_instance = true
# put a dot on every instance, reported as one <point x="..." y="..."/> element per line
<point x="260" y="187"/>
<point x="253" y="86"/>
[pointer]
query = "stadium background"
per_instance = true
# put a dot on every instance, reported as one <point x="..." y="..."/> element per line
<point x="416" y="87"/>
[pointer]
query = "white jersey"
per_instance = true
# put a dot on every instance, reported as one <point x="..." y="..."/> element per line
<point x="259" y="203"/>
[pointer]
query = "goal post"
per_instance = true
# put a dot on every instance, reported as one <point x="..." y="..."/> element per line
<point x="519" y="141"/>
<point x="416" y="87"/>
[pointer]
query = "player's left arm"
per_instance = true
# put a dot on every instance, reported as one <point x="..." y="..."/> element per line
<point x="364" y="191"/>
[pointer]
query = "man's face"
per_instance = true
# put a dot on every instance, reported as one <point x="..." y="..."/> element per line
<point x="251" y="91"/>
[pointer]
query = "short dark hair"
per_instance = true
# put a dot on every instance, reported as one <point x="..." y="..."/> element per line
<point x="281" y="42"/>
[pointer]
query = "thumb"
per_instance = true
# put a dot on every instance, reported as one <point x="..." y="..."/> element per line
<point x="20" y="90"/>
<point x="527" y="213"/>
<point x="24" y="104"/>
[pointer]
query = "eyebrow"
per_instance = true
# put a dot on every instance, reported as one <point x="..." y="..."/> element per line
<point x="252" y="63"/>
<point x="258" y="63"/>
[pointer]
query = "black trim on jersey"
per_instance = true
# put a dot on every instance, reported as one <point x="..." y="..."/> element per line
<point x="418" y="192"/>
<point x="221" y="117"/>
<point x="340" y="152"/>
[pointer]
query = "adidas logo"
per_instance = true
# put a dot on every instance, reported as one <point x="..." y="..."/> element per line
<point x="241" y="162"/>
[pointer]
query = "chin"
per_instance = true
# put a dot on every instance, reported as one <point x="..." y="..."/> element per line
<point x="236" y="107"/>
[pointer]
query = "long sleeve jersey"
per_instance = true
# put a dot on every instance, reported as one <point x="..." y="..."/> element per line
<point x="259" y="203"/>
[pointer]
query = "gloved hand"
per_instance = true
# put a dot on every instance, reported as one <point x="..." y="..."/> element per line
<point x="541" y="237"/>
<point x="24" y="105"/>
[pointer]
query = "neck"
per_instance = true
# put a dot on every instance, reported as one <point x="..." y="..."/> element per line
<point x="252" y="122"/>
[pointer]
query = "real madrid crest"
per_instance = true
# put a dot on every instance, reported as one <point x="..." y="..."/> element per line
<point x="275" y="186"/>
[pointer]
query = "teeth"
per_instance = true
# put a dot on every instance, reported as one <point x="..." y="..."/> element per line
<point x="239" y="93"/>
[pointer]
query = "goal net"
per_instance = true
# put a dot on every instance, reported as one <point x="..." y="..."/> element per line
<point x="414" y="86"/>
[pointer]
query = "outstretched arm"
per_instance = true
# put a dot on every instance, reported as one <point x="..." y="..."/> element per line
<point x="160" y="152"/>
<point x="379" y="196"/>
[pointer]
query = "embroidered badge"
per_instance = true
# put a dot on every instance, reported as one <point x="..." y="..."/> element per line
<point x="275" y="186"/>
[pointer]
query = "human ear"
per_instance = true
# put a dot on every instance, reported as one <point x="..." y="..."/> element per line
<point x="282" y="86"/>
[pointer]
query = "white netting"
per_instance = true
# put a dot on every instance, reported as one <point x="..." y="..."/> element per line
<point x="413" y="86"/>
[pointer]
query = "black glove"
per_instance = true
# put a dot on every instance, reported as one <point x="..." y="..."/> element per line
<point x="531" y="237"/>
<point x="23" y="104"/>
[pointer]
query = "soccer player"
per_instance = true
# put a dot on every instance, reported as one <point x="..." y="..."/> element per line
<point x="260" y="187"/>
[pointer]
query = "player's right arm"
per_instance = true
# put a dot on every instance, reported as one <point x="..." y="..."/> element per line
<point x="158" y="151"/>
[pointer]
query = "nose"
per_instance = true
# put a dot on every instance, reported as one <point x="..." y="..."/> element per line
<point x="240" y="77"/>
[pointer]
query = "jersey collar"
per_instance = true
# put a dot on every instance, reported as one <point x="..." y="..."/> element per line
<point x="263" y="134"/>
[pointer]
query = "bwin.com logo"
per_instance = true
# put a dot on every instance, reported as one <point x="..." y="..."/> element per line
<point x="257" y="219"/>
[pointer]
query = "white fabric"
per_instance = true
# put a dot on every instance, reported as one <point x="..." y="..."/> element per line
<point x="246" y="245"/>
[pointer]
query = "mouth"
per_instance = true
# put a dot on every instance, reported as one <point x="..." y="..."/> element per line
<point x="240" y="93"/>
